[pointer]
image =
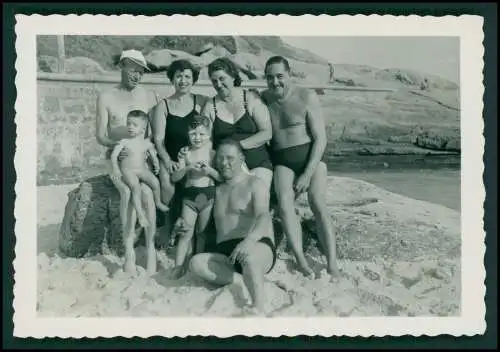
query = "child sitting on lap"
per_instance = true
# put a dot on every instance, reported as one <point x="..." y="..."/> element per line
<point x="195" y="163"/>
<point x="133" y="166"/>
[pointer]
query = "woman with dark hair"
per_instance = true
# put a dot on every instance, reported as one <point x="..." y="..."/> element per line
<point x="241" y="115"/>
<point x="170" y="121"/>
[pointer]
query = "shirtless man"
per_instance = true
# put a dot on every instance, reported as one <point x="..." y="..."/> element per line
<point x="298" y="144"/>
<point x="244" y="248"/>
<point x="113" y="106"/>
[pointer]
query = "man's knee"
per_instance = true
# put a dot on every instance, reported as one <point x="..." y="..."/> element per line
<point x="198" y="263"/>
<point x="286" y="205"/>
<point x="251" y="258"/>
<point x="317" y="202"/>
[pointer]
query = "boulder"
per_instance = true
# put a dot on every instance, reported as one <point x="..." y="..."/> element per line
<point x="82" y="65"/>
<point x="160" y="60"/>
<point x="91" y="216"/>
<point x="438" y="141"/>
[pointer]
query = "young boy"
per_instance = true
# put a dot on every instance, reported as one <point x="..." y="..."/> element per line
<point x="133" y="166"/>
<point x="195" y="163"/>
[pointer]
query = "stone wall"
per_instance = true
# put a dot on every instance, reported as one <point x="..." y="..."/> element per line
<point x="66" y="127"/>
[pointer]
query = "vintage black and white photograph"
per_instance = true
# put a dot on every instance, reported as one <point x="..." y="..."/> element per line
<point x="263" y="175"/>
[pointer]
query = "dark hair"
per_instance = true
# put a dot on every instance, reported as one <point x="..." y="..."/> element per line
<point x="233" y="142"/>
<point x="277" y="60"/>
<point x="181" y="65"/>
<point x="227" y="66"/>
<point x="139" y="114"/>
<point x="199" y="120"/>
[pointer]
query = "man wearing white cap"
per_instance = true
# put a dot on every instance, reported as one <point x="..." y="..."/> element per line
<point x="113" y="106"/>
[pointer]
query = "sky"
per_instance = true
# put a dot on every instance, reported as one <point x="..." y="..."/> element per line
<point x="433" y="55"/>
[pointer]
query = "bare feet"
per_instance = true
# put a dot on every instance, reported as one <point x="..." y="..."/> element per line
<point x="253" y="311"/>
<point x="162" y="207"/>
<point x="333" y="270"/>
<point x="178" y="272"/>
<point x="305" y="269"/>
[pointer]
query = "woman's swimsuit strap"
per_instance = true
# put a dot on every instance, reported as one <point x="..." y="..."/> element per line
<point x="190" y="113"/>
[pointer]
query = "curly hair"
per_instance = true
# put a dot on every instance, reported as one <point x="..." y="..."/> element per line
<point x="181" y="65"/>
<point x="199" y="120"/>
<point x="226" y="65"/>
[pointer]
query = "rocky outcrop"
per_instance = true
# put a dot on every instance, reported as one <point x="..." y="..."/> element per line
<point x="82" y="65"/>
<point x="436" y="141"/>
<point x="400" y="122"/>
<point x="160" y="60"/>
<point x="79" y="65"/>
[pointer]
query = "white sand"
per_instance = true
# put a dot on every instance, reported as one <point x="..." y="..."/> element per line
<point x="97" y="286"/>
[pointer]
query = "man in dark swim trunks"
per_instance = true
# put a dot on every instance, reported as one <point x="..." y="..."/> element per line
<point x="298" y="144"/>
<point x="244" y="232"/>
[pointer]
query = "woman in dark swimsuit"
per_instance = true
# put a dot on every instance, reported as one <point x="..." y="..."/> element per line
<point x="241" y="115"/>
<point x="171" y="118"/>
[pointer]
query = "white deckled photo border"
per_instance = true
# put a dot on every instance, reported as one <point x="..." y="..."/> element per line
<point x="468" y="28"/>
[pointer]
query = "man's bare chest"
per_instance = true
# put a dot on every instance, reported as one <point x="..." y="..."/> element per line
<point x="288" y="114"/>
<point x="231" y="201"/>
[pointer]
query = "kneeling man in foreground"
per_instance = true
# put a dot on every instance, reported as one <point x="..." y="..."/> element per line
<point x="244" y="233"/>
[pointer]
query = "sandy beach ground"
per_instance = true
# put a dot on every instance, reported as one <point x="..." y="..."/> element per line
<point x="427" y="284"/>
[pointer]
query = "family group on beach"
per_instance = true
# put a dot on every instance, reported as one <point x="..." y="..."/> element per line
<point x="210" y="164"/>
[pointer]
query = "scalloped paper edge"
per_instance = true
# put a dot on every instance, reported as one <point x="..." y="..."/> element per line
<point x="467" y="28"/>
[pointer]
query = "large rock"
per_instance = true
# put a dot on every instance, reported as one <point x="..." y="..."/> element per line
<point x="82" y="65"/>
<point x="160" y="60"/>
<point x="91" y="215"/>
<point x="439" y="141"/>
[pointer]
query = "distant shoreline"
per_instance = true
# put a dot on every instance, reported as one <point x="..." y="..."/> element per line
<point x="395" y="162"/>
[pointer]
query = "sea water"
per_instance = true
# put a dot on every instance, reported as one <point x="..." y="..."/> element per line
<point x="439" y="186"/>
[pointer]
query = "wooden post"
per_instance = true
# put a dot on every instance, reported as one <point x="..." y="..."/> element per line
<point x="61" y="55"/>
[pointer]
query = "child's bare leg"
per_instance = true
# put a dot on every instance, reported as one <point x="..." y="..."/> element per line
<point x="129" y="239"/>
<point x="131" y="179"/>
<point x="150" y="232"/>
<point x="185" y="241"/>
<point x="124" y="201"/>
<point x="201" y="225"/>
<point x="150" y="179"/>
